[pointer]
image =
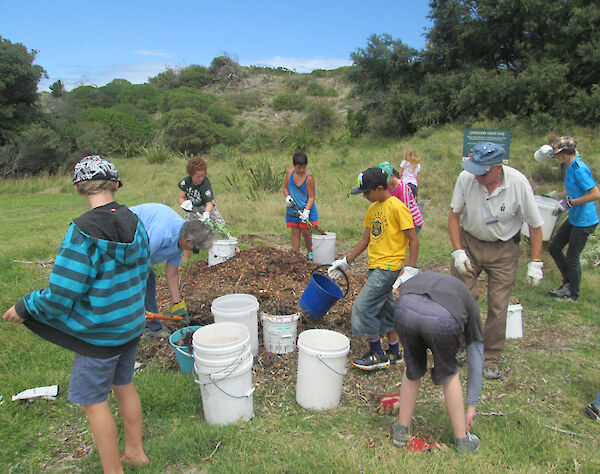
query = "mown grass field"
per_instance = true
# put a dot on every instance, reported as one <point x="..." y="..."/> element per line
<point x="530" y="421"/>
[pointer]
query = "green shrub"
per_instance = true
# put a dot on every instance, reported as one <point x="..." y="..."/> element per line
<point x="121" y="127"/>
<point x="300" y="139"/>
<point x="260" y="139"/>
<point x="320" y="116"/>
<point x="263" y="179"/>
<point x="317" y="90"/>
<point x="243" y="100"/>
<point x="219" y="151"/>
<point x="38" y="149"/>
<point x="356" y="123"/>
<point x="220" y="115"/>
<point x="226" y="135"/>
<point x="286" y="101"/>
<point x="156" y="154"/>
<point x="186" y="97"/>
<point x="92" y="139"/>
<point x="188" y="129"/>
<point x="195" y="76"/>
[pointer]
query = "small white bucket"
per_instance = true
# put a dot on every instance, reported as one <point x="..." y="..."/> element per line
<point x="221" y="250"/>
<point x="221" y="344"/>
<point x="238" y="308"/>
<point x="323" y="248"/>
<point x="226" y="393"/>
<point x="514" y="321"/>
<point x="279" y="332"/>
<point x="545" y="205"/>
<point x="321" y="368"/>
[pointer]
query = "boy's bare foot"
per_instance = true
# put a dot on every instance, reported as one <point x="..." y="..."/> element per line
<point x="135" y="460"/>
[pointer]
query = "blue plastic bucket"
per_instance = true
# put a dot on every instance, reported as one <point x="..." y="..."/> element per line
<point x="320" y="294"/>
<point x="182" y="353"/>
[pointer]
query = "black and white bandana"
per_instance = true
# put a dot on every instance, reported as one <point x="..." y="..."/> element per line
<point x="95" y="167"/>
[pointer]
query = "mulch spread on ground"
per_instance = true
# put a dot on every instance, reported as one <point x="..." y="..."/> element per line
<point x="277" y="277"/>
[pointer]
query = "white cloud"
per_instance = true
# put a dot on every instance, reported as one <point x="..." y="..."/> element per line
<point x="302" y="64"/>
<point x="142" y="52"/>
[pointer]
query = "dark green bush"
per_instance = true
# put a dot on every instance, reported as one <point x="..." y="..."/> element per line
<point x="226" y="135"/>
<point x="286" y="101"/>
<point x="189" y="130"/>
<point x="356" y="123"/>
<point x="122" y="127"/>
<point x="220" y="115"/>
<point x="37" y="149"/>
<point x="186" y="97"/>
<point x="242" y="100"/>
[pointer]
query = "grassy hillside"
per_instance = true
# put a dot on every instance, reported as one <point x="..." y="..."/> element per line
<point x="531" y="421"/>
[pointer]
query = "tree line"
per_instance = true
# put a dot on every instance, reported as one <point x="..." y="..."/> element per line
<point x="531" y="61"/>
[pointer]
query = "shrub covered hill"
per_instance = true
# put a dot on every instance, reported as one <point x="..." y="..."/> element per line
<point x="191" y="110"/>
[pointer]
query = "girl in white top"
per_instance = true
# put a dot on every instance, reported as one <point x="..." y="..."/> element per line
<point x="410" y="170"/>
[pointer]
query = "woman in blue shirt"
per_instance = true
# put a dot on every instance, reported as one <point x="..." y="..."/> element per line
<point x="581" y="192"/>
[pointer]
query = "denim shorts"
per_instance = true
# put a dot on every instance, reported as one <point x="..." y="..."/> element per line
<point x="421" y="323"/>
<point x="92" y="378"/>
<point x="373" y="310"/>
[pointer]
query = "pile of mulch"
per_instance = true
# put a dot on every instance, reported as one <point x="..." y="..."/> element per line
<point x="277" y="277"/>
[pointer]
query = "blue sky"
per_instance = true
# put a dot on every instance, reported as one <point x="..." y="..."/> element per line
<point x="93" y="42"/>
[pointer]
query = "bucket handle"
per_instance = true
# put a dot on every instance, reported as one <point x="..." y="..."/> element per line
<point x="181" y="351"/>
<point x="343" y="273"/>
<point x="320" y="357"/>
<point x="246" y="395"/>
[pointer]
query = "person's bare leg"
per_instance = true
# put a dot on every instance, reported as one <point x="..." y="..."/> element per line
<point x="307" y="239"/>
<point x="104" y="431"/>
<point x="131" y="414"/>
<point x="408" y="400"/>
<point x="392" y="337"/>
<point x="453" y="397"/>
<point x="187" y="255"/>
<point x="296" y="239"/>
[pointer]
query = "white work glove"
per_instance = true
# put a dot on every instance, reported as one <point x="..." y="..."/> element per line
<point x="205" y="216"/>
<point x="187" y="205"/>
<point x="407" y="274"/>
<point x="337" y="267"/>
<point x="461" y="262"/>
<point x="543" y="154"/>
<point x="305" y="214"/>
<point x="554" y="195"/>
<point x="534" y="273"/>
<point x="289" y="202"/>
<point x="562" y="206"/>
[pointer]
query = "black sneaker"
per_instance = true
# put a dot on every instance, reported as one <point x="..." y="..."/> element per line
<point x="593" y="410"/>
<point x="394" y="359"/>
<point x="372" y="361"/>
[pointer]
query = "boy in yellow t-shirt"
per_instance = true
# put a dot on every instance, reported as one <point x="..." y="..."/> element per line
<point x="389" y="235"/>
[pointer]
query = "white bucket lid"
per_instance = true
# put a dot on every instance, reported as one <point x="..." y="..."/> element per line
<point x="545" y="202"/>
<point x="323" y="342"/>
<point x="221" y="338"/>
<point x="228" y="241"/>
<point x="234" y="304"/>
<point x="215" y="373"/>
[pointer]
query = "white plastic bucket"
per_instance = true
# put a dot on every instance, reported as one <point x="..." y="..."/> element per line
<point x="321" y="368"/>
<point x="221" y="344"/>
<point x="514" y="321"/>
<point x="238" y="308"/>
<point x="221" y="250"/>
<point x="323" y="247"/>
<point x="279" y="332"/>
<point x="227" y="394"/>
<point x="546" y="205"/>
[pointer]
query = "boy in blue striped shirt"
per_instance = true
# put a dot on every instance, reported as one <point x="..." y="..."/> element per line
<point x="94" y="306"/>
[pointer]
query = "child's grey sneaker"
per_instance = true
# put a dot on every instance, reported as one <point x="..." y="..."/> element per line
<point x="492" y="373"/>
<point x="561" y="291"/>
<point x="401" y="436"/>
<point x="468" y="444"/>
<point x="161" y="333"/>
<point x="371" y="361"/>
